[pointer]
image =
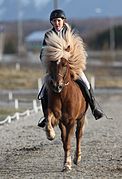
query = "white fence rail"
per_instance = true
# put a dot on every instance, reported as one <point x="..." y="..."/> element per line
<point x="18" y="115"/>
<point x="28" y="112"/>
<point x="35" y="109"/>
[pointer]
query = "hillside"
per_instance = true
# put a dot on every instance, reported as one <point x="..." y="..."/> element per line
<point x="86" y="27"/>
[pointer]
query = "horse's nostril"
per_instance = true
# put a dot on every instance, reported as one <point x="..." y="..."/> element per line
<point x="52" y="82"/>
<point x="59" y="87"/>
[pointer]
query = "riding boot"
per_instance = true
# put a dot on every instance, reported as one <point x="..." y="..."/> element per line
<point x="96" y="112"/>
<point x="44" y="102"/>
<point x="88" y="94"/>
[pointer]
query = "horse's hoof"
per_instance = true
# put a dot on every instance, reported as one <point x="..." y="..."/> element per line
<point x="76" y="160"/>
<point x="50" y="135"/>
<point x="50" y="138"/>
<point x="67" y="168"/>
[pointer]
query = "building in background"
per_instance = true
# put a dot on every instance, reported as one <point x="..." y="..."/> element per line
<point x="34" y="41"/>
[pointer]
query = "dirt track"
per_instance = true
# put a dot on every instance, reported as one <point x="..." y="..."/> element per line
<point x="25" y="153"/>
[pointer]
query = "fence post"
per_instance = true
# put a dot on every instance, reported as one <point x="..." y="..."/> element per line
<point x="9" y="119"/>
<point x="93" y="82"/>
<point x="35" y="106"/>
<point x="28" y="112"/>
<point x="16" y="104"/>
<point x="10" y="95"/>
<point x="17" y="66"/>
<point x="39" y="84"/>
<point x="17" y="116"/>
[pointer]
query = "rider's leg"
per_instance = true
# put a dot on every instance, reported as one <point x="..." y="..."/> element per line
<point x="88" y="93"/>
<point x="44" y="102"/>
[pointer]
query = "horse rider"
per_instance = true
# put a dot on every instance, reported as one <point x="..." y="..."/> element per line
<point x="58" y="22"/>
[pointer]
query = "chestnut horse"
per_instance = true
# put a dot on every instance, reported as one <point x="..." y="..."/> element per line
<point x="66" y="107"/>
<point x="65" y="58"/>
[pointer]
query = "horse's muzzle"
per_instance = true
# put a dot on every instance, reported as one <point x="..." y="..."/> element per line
<point x="56" y="87"/>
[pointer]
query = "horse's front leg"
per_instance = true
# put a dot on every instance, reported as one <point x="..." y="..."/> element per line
<point x="79" y="133"/>
<point x="67" y="148"/>
<point x="49" y="128"/>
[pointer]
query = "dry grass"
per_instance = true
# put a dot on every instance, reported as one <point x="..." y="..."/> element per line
<point x="25" y="78"/>
<point x="109" y="82"/>
<point x="10" y="78"/>
<point x="105" y="76"/>
<point x="4" y="112"/>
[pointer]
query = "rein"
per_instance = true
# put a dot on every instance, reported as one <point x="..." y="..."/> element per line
<point x="61" y="77"/>
<point x="65" y="84"/>
<point x="65" y="75"/>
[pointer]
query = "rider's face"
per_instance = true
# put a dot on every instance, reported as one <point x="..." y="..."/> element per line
<point x="58" y="23"/>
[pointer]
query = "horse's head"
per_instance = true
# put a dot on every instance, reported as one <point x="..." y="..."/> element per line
<point x="59" y="74"/>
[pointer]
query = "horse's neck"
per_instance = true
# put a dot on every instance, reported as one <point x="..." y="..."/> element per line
<point x="68" y="85"/>
<point x="68" y="80"/>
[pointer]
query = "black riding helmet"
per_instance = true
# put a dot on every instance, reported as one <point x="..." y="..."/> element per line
<point x="58" y="13"/>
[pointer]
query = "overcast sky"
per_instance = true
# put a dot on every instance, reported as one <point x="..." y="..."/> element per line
<point x="72" y="8"/>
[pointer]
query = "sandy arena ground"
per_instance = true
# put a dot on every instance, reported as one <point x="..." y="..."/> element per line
<point x="25" y="153"/>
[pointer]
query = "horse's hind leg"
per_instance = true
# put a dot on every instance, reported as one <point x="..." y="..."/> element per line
<point x="79" y="133"/>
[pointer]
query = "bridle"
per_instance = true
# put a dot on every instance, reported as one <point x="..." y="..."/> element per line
<point x="65" y="84"/>
<point x="65" y="75"/>
<point x="59" y="87"/>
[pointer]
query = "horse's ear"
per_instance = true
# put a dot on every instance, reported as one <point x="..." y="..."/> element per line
<point x="68" y="48"/>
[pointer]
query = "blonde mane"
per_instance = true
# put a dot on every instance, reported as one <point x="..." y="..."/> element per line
<point x="56" y="48"/>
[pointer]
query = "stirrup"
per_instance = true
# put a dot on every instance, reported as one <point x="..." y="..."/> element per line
<point x="42" y="122"/>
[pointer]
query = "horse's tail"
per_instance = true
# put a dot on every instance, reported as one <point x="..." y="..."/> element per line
<point x="85" y="123"/>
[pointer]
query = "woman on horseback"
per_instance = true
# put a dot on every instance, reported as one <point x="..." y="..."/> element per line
<point x="58" y="21"/>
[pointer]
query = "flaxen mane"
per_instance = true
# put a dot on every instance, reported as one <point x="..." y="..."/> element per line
<point x="56" y="48"/>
